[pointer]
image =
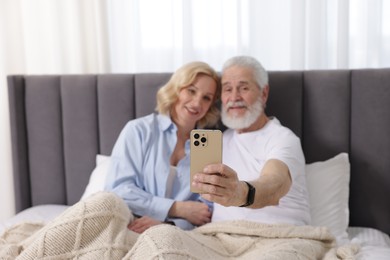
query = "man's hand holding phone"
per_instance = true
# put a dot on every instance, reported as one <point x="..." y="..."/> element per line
<point x="219" y="183"/>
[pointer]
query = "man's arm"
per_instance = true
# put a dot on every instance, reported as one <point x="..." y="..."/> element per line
<point x="272" y="185"/>
<point x="220" y="184"/>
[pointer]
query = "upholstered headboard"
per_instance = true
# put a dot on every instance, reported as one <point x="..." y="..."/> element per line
<point x="60" y="122"/>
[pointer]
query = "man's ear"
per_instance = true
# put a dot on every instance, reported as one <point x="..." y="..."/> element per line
<point x="264" y="93"/>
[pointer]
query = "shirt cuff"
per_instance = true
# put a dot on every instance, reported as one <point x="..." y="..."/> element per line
<point x="160" y="208"/>
<point x="182" y="223"/>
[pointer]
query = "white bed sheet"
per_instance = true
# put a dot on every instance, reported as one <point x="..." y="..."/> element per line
<point x="374" y="244"/>
<point x="41" y="214"/>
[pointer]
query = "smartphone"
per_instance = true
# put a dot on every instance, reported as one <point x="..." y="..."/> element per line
<point x="205" y="148"/>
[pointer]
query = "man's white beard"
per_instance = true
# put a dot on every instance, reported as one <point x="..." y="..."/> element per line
<point x="241" y="122"/>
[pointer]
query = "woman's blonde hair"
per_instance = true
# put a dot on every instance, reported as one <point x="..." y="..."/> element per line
<point x="168" y="94"/>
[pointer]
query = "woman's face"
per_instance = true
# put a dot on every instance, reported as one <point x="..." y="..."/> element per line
<point x="194" y="101"/>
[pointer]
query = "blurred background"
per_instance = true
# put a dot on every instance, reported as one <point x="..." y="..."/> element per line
<point x="127" y="36"/>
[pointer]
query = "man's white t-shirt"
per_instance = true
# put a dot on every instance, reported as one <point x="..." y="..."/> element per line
<point x="246" y="153"/>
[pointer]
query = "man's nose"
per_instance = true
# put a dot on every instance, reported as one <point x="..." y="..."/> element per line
<point x="236" y="95"/>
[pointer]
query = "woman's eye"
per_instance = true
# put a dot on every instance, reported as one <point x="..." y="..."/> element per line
<point x="207" y="98"/>
<point x="191" y="91"/>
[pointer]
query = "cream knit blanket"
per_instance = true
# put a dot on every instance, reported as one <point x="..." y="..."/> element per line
<point x="96" y="228"/>
<point x="239" y="240"/>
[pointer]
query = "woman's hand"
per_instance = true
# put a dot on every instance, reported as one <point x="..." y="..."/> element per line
<point x="141" y="224"/>
<point x="197" y="213"/>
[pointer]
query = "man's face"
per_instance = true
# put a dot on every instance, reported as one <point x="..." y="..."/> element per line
<point x="242" y="99"/>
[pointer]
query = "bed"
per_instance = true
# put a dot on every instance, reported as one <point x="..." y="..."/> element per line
<point x="64" y="127"/>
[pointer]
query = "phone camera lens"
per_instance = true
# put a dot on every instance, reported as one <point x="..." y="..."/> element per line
<point x="196" y="143"/>
<point x="203" y="139"/>
<point x="196" y="136"/>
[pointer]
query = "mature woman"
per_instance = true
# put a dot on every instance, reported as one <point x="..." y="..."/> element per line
<point x="150" y="160"/>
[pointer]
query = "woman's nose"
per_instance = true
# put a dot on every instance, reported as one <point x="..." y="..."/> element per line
<point x="197" y="101"/>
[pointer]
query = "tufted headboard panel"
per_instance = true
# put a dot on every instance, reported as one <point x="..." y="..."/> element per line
<point x="60" y="122"/>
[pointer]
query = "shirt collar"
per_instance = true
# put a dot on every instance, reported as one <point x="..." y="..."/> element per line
<point x="165" y="122"/>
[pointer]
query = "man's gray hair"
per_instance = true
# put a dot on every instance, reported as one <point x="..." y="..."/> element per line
<point x="260" y="74"/>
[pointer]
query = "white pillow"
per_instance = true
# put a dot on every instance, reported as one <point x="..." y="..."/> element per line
<point x="328" y="185"/>
<point x="98" y="176"/>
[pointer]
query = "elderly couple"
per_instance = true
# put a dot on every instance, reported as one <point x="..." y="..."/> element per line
<point x="262" y="177"/>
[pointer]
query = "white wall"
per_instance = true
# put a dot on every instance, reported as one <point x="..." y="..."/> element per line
<point x="10" y="44"/>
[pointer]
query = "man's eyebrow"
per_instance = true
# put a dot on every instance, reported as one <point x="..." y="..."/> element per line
<point x="242" y="82"/>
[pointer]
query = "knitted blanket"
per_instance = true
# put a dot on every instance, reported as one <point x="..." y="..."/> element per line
<point x="96" y="228"/>
<point x="240" y="240"/>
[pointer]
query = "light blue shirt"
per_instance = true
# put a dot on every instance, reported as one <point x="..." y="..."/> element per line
<point x="141" y="165"/>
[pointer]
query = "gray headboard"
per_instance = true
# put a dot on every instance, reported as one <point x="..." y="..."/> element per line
<point x="60" y="122"/>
